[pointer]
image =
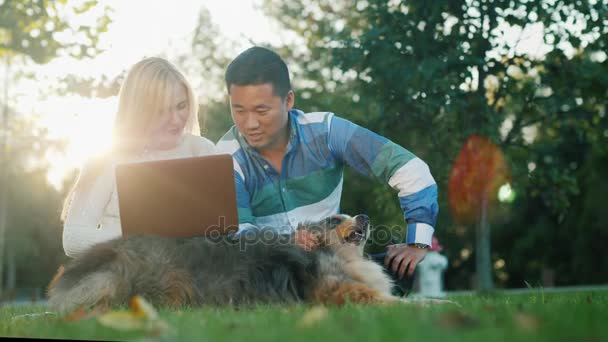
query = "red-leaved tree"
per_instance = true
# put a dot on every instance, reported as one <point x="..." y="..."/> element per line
<point x="477" y="174"/>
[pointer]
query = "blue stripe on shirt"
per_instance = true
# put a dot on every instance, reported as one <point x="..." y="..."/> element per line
<point x="421" y="206"/>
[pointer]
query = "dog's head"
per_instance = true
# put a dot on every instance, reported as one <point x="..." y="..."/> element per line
<point x="340" y="231"/>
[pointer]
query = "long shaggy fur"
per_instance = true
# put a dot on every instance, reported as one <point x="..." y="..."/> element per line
<point x="202" y="271"/>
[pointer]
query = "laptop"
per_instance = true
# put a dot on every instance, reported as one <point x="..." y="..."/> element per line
<point x="178" y="197"/>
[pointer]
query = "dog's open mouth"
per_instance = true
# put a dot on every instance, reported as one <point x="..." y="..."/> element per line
<point x="356" y="236"/>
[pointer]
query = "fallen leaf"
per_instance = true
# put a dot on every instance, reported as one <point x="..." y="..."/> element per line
<point x="313" y="316"/>
<point x="121" y="320"/>
<point x="82" y="313"/>
<point x="231" y="325"/>
<point x="141" y="308"/>
<point x="457" y="320"/>
<point x="77" y="315"/>
<point x="141" y="316"/>
<point x="489" y="308"/>
<point x="526" y="321"/>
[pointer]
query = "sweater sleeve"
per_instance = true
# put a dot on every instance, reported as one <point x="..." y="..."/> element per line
<point x="375" y="156"/>
<point x="81" y="228"/>
<point x="203" y="146"/>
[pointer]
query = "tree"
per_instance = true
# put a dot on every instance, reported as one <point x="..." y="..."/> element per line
<point x="38" y="31"/>
<point x="41" y="31"/>
<point x="429" y="74"/>
<point x="475" y="179"/>
<point x="204" y="65"/>
<point x="33" y="231"/>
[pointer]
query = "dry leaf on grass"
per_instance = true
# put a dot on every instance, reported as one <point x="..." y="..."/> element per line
<point x="121" y="320"/>
<point x="312" y="316"/>
<point x="141" y="308"/>
<point x="456" y="319"/>
<point x="141" y="316"/>
<point x="489" y="308"/>
<point x="82" y="314"/>
<point x="77" y="315"/>
<point x="526" y="321"/>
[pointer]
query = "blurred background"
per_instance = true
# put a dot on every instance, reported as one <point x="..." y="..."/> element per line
<point x="505" y="100"/>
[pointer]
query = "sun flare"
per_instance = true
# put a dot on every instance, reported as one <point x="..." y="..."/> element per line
<point x="85" y="124"/>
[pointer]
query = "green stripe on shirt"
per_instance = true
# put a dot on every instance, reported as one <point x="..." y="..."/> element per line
<point x="390" y="159"/>
<point x="298" y="192"/>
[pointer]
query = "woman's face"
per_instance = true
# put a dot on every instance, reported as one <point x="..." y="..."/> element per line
<point x="166" y="132"/>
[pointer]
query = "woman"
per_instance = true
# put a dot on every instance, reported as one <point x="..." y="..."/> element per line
<point x="156" y="119"/>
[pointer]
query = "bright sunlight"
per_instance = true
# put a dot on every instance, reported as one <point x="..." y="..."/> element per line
<point x="84" y="124"/>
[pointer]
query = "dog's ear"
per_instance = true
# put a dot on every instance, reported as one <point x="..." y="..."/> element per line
<point x="302" y="226"/>
<point x="312" y="226"/>
<point x="318" y="229"/>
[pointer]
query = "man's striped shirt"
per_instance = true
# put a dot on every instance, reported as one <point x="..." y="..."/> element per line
<point x="309" y="186"/>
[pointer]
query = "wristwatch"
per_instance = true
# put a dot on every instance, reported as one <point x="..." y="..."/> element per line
<point x="419" y="245"/>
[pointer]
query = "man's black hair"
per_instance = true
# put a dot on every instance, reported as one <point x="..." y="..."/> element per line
<point x="258" y="65"/>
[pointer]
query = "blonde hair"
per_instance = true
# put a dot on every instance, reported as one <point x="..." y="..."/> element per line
<point x="144" y="94"/>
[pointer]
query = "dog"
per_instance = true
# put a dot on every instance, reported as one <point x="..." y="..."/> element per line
<point x="255" y="267"/>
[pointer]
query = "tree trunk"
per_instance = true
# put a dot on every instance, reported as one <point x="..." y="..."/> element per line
<point x="4" y="131"/>
<point x="11" y="270"/>
<point x="483" y="257"/>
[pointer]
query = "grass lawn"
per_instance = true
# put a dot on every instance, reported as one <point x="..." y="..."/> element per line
<point x="535" y="316"/>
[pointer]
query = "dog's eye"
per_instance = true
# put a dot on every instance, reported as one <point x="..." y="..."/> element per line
<point x="336" y="220"/>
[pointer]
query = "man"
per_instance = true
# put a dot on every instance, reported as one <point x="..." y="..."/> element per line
<point x="288" y="165"/>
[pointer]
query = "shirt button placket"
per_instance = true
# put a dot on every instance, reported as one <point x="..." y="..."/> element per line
<point x="285" y="196"/>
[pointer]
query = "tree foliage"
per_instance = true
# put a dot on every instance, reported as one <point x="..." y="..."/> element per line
<point x="205" y="66"/>
<point x="33" y="230"/>
<point x="42" y="29"/>
<point x="35" y="31"/>
<point x="476" y="176"/>
<point x="429" y="74"/>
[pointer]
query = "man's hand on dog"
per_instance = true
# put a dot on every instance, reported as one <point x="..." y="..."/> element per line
<point x="306" y="240"/>
<point x="402" y="258"/>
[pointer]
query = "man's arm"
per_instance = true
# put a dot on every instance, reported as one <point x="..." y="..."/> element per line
<point x="375" y="156"/>
<point x="229" y="144"/>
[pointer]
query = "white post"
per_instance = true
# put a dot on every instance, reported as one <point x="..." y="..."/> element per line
<point x="430" y="272"/>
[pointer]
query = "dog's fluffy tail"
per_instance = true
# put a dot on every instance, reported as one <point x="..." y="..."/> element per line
<point x="88" y="281"/>
<point x="98" y="288"/>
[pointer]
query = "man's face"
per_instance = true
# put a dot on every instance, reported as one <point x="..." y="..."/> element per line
<point x="260" y="115"/>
